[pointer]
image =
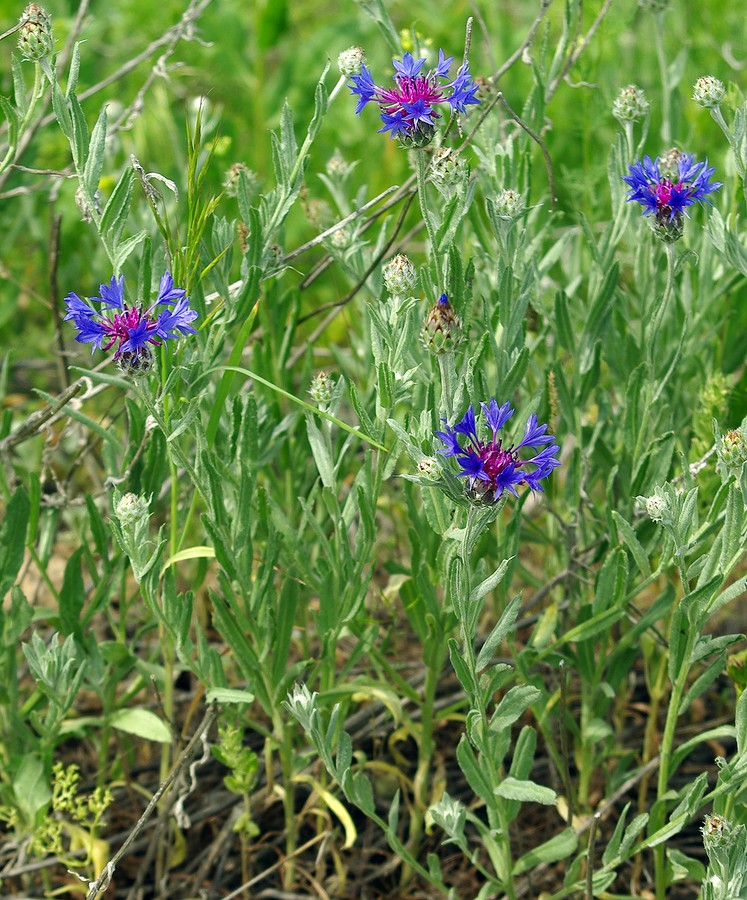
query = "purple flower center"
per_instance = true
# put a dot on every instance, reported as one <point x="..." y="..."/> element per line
<point x="495" y="458"/>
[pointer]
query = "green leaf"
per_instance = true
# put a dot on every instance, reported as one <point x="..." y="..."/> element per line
<point x="142" y="723"/>
<point x="72" y="596"/>
<point x="526" y="791"/>
<point x="95" y="160"/>
<point x="632" y="543"/>
<point x="11" y="115"/>
<point x="557" y="848"/>
<point x="199" y="552"/>
<point x="502" y="626"/>
<point x="31" y="789"/>
<point x="473" y="772"/>
<point x="513" y="705"/>
<point x="228" y="695"/>
<point x="117" y="208"/>
<point x="13" y="539"/>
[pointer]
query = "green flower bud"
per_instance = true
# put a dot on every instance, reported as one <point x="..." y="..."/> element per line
<point x="400" y="276"/>
<point x="321" y="389"/>
<point x="132" y="510"/>
<point x="351" y="61"/>
<point x="429" y="468"/>
<point x="630" y="104"/>
<point x="508" y="204"/>
<point x="657" y="506"/>
<point x="448" y="168"/>
<point x="732" y="449"/>
<point x="35" y="39"/>
<point x="708" y="92"/>
<point x="442" y="330"/>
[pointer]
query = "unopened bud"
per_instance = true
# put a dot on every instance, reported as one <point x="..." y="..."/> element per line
<point x="732" y="449"/>
<point x="35" y="39"/>
<point x="400" y="276"/>
<point x="429" y="468"/>
<point x="630" y="104"/>
<point x="508" y="204"/>
<point x="448" y="167"/>
<point x="321" y="388"/>
<point x="657" y="506"/>
<point x="708" y="92"/>
<point x="351" y="61"/>
<point x="131" y="510"/>
<point x="442" y="330"/>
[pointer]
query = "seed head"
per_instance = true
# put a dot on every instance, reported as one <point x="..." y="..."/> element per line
<point x="708" y="92"/>
<point x="35" y="39"/>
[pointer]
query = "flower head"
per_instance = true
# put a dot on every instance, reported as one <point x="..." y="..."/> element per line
<point x="665" y="188"/>
<point x="442" y="330"/>
<point x="491" y="467"/>
<point x="131" y="329"/>
<point x="408" y="110"/>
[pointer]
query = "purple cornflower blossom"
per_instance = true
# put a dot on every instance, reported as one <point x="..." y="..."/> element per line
<point x="131" y="329"/>
<point x="408" y="109"/>
<point x="491" y="467"/>
<point x="666" y="186"/>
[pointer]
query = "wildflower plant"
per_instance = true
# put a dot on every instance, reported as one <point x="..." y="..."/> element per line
<point x="433" y="528"/>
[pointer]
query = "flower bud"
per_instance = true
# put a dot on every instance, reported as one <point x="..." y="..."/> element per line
<point x="351" y="61"/>
<point x="35" y="39"/>
<point x="669" y="164"/>
<point x="337" y="168"/>
<point x="131" y="510"/>
<point x="442" y="330"/>
<point x="708" y="92"/>
<point x="508" y="204"/>
<point x="732" y="449"/>
<point x="321" y="389"/>
<point x="630" y="104"/>
<point x="448" y="167"/>
<point x="429" y="468"/>
<point x="657" y="506"/>
<point x="400" y="276"/>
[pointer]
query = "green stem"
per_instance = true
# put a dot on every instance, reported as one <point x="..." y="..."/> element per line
<point x="36" y="96"/>
<point x="660" y="308"/>
<point x="421" y="170"/>
<point x="447" y="369"/>
<point x="666" y="91"/>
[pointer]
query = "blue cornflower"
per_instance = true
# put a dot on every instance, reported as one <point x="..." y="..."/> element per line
<point x="491" y="467"/>
<point x="131" y="329"/>
<point x="409" y="109"/>
<point x="665" y="187"/>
